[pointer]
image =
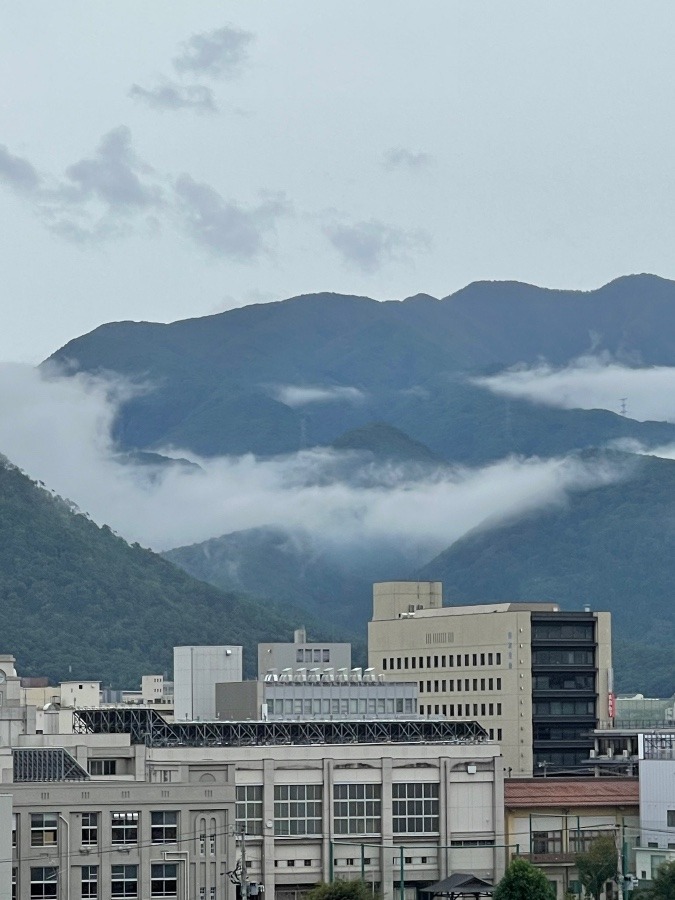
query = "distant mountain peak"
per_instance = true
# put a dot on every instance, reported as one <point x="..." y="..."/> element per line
<point x="386" y="442"/>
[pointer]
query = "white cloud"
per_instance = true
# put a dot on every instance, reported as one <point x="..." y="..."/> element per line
<point x="59" y="431"/>
<point x="592" y="383"/>
<point x="299" y="395"/>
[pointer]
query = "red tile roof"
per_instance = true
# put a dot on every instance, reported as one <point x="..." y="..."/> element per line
<point x="567" y="792"/>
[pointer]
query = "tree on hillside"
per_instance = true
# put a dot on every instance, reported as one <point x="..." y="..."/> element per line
<point x="598" y="865"/>
<point x="341" y="890"/>
<point x="523" y="881"/>
<point x="663" y="883"/>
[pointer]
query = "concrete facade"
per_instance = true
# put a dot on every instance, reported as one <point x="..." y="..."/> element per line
<point x="478" y="662"/>
<point x="273" y="700"/>
<point x="277" y="657"/>
<point x="197" y="670"/>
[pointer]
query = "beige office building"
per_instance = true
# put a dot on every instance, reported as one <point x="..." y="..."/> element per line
<point x="538" y="679"/>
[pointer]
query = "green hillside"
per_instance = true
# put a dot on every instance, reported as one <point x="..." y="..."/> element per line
<point x="216" y="379"/>
<point x="612" y="547"/>
<point x="78" y="601"/>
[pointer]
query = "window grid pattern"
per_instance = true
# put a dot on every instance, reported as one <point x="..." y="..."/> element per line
<point x="415" y="807"/>
<point x="124" y="881"/>
<point x="89" y="834"/>
<point x="249" y="808"/>
<point x="90" y="882"/>
<point x="43" y="829"/>
<point x="163" y="880"/>
<point x="357" y="808"/>
<point x="124" y="828"/>
<point x="298" y="809"/>
<point x="44" y="882"/>
<point x="164" y="827"/>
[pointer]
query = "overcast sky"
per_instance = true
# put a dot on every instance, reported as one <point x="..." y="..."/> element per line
<point x="165" y="160"/>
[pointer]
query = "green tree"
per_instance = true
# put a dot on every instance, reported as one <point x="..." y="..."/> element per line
<point x="663" y="883"/>
<point x="523" y="881"/>
<point x="341" y="890"/>
<point x="598" y="865"/>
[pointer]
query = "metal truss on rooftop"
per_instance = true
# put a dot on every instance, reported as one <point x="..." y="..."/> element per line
<point x="146" y="726"/>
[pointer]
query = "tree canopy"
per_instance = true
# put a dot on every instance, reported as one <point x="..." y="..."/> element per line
<point x="523" y="881"/>
<point x="598" y="865"/>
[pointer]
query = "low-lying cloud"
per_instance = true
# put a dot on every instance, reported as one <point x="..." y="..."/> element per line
<point x="299" y="395"/>
<point x="58" y="430"/>
<point x="403" y="158"/>
<point x="646" y="394"/>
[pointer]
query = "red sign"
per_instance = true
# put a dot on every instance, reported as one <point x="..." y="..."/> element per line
<point x="611" y="705"/>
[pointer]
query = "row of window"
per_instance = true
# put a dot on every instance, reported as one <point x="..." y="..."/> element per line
<point x="579" y="840"/>
<point x="462" y="709"/>
<point x="563" y="631"/>
<point x="357" y="808"/>
<point x="124" y="828"/>
<point x="317" y="656"/>
<point x="342" y="706"/>
<point x="445" y="685"/>
<point x="564" y="682"/>
<point x="44" y="881"/>
<point x="443" y="661"/>
<point x="559" y="657"/>
<point x="564" y="708"/>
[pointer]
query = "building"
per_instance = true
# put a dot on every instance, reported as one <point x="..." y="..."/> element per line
<point x="538" y="679"/>
<point x="551" y="820"/>
<point x="302" y="699"/>
<point x="196" y="672"/>
<point x="655" y="842"/>
<point x="157" y="691"/>
<point x="400" y="803"/>
<point x="273" y="659"/>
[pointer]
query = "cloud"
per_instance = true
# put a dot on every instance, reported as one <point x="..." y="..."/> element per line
<point x="367" y="246"/>
<point x="171" y="96"/>
<point x="18" y="173"/>
<point x="224" y="226"/>
<point x="298" y="395"/>
<point x="220" y="53"/>
<point x="402" y="158"/>
<point x="592" y="383"/>
<point x="59" y="431"/>
<point x="101" y="195"/>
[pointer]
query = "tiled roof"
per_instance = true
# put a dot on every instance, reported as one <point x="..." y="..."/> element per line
<point x="567" y="792"/>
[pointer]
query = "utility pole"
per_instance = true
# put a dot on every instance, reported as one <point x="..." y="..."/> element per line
<point x="618" y="832"/>
<point x="244" y="871"/>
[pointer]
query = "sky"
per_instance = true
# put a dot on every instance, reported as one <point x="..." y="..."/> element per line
<point x="166" y="160"/>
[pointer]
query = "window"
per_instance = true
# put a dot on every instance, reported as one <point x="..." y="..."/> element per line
<point x="474" y="659"/>
<point x="562" y="657"/>
<point x="249" y="808"/>
<point x="326" y="655"/>
<point x="489" y="659"/>
<point x="13" y="829"/>
<point x="357" y="808"/>
<point x="581" y="839"/>
<point x="415" y="807"/>
<point x="124" y="881"/>
<point x="671" y="818"/>
<point x="164" y="827"/>
<point x="163" y="880"/>
<point x="498" y="659"/>
<point x="44" y="882"/>
<point x="298" y="809"/>
<point x="89" y="829"/>
<point x="103" y="767"/>
<point x="482" y="659"/>
<point x="547" y="841"/>
<point x="499" y="684"/>
<point x="299" y="655"/>
<point x="124" y="829"/>
<point x="43" y="830"/>
<point x="90" y="882"/>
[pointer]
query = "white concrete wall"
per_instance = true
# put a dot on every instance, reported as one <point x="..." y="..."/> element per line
<point x="80" y="694"/>
<point x="197" y="670"/>
<point x="5" y="846"/>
